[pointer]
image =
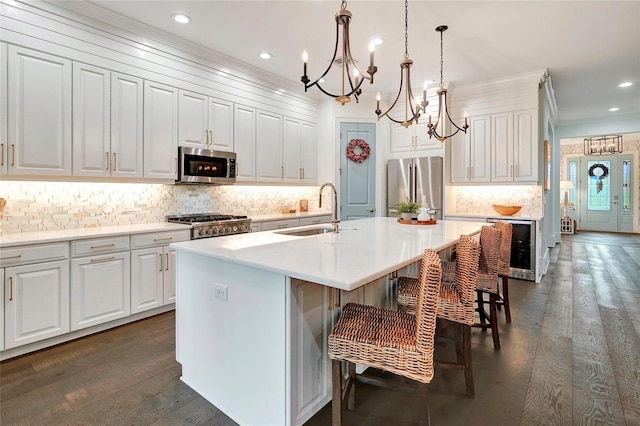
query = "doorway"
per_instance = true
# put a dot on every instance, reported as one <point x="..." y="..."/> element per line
<point x="603" y="192"/>
<point x="358" y="174"/>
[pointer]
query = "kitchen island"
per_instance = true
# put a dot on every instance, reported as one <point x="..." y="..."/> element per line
<point x="253" y="311"/>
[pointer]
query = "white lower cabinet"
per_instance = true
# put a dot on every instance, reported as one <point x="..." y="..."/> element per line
<point x="280" y="224"/>
<point x="2" y="309"/>
<point x="36" y="302"/>
<point x="100" y="289"/>
<point x="153" y="275"/>
<point x="311" y="323"/>
<point x="315" y="220"/>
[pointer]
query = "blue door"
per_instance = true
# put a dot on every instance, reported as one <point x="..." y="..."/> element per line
<point x="357" y="170"/>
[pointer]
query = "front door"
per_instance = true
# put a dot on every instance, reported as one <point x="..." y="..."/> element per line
<point x="605" y="192"/>
<point x="357" y="170"/>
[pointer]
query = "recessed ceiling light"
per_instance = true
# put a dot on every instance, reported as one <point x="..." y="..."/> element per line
<point x="625" y="84"/>
<point x="265" y="55"/>
<point x="180" y="18"/>
<point x="614" y="109"/>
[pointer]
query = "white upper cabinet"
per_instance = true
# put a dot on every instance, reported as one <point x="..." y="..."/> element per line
<point x="291" y="150"/>
<point x="205" y="122"/>
<point x="127" y="96"/>
<point x="515" y="146"/>
<point x="526" y="145"/>
<point x="244" y="136"/>
<point x="414" y="137"/>
<point x="470" y="153"/>
<point x="160" y="131"/>
<point x="39" y="128"/>
<point x="4" y="147"/>
<point x="91" y="121"/>
<point x="308" y="155"/>
<point x="269" y="165"/>
<point x="502" y="147"/>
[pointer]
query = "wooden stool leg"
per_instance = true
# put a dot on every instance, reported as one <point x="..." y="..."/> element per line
<point x="336" y="402"/>
<point x="351" y="398"/>
<point x="480" y="300"/>
<point x="423" y="397"/>
<point x="468" y="368"/>
<point x="505" y="297"/>
<point x="493" y="319"/>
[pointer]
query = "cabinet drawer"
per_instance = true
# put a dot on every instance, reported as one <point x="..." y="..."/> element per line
<point x="159" y="238"/>
<point x="315" y="220"/>
<point x="32" y="254"/>
<point x="99" y="245"/>
<point x="280" y="224"/>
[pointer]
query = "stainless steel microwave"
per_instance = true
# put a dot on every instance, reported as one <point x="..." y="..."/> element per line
<point x="197" y="165"/>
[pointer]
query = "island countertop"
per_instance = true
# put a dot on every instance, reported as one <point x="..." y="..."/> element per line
<point x="363" y="250"/>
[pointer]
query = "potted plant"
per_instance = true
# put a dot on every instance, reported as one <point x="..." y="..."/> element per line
<point x="407" y="210"/>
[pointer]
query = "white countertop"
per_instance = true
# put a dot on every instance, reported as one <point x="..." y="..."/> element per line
<point x="39" y="237"/>
<point x="364" y="249"/>
<point x="518" y="216"/>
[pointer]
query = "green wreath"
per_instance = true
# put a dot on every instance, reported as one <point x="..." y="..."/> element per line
<point x="604" y="174"/>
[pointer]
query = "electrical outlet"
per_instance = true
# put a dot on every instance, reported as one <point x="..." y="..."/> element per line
<point x="220" y="291"/>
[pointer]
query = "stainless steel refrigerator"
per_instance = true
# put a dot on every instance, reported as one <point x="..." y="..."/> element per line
<point x="409" y="179"/>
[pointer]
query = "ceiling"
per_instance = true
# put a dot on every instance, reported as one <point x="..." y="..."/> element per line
<point x="589" y="47"/>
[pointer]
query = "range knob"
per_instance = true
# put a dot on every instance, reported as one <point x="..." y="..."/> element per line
<point x="235" y="229"/>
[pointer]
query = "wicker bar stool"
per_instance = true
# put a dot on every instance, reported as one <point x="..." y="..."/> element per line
<point x="455" y="304"/>
<point x="504" y="268"/>
<point x="390" y="340"/>
<point x="487" y="281"/>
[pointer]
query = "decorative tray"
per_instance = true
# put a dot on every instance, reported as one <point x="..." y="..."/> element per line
<point x="418" y="222"/>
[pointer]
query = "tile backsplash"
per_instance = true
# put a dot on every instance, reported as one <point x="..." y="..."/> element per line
<point x="478" y="199"/>
<point x="39" y="206"/>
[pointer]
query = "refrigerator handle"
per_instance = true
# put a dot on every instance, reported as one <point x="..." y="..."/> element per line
<point x="412" y="182"/>
<point x="414" y="192"/>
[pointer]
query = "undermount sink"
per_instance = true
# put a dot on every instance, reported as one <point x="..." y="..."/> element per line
<point x="306" y="232"/>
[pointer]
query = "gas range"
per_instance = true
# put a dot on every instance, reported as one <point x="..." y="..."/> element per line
<point x="208" y="225"/>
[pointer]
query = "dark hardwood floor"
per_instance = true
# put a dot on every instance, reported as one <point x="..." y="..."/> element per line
<point x="570" y="357"/>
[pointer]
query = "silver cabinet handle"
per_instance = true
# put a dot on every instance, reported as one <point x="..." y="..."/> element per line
<point x="13" y="154"/>
<point x="107" y="155"/>
<point x="162" y="239"/>
<point x="517" y="171"/>
<point x="2" y="156"/>
<point x="303" y="173"/>
<point x="11" y="257"/>
<point x="113" y="163"/>
<point x="104" y="259"/>
<point x="103" y="246"/>
<point x="166" y="267"/>
<point x="10" y="288"/>
<point x="160" y="254"/>
<point x="206" y="132"/>
<point x="510" y="171"/>
<point x="281" y="172"/>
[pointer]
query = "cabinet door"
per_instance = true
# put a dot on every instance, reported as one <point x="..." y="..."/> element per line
<point x="36" y="302"/>
<point x="160" y="131"/>
<point x="480" y="148"/>
<point x="39" y="107"/>
<point x="147" y="268"/>
<point x="502" y="147"/>
<point x="244" y="137"/>
<point x="460" y="152"/>
<point x="291" y="150"/>
<point x="310" y="363"/>
<point x="269" y="147"/>
<point x="100" y="289"/>
<point x="91" y="120"/>
<point x="192" y="124"/>
<point x="308" y="154"/>
<point x="4" y="147"/>
<point x="401" y="138"/>
<point x="126" y="125"/>
<point x="2" y="309"/>
<point x="169" y="276"/>
<point x="220" y="124"/>
<point x="422" y="139"/>
<point x="526" y="146"/>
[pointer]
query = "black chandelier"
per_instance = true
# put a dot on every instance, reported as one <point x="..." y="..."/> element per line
<point x="412" y="108"/>
<point x="603" y="145"/>
<point x="352" y="77"/>
<point x="438" y="129"/>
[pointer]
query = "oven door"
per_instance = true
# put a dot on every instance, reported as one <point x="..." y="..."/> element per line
<point x="196" y="165"/>
<point x="523" y="249"/>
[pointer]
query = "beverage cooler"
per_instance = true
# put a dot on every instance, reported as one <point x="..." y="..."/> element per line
<point x="523" y="248"/>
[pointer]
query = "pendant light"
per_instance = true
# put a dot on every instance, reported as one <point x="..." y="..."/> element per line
<point x="438" y="129"/>
<point x="352" y="77"/>
<point x="412" y="108"/>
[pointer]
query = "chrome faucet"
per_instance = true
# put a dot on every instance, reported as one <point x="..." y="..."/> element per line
<point x="335" y="220"/>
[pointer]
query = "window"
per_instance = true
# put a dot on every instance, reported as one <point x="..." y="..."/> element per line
<point x="598" y="186"/>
